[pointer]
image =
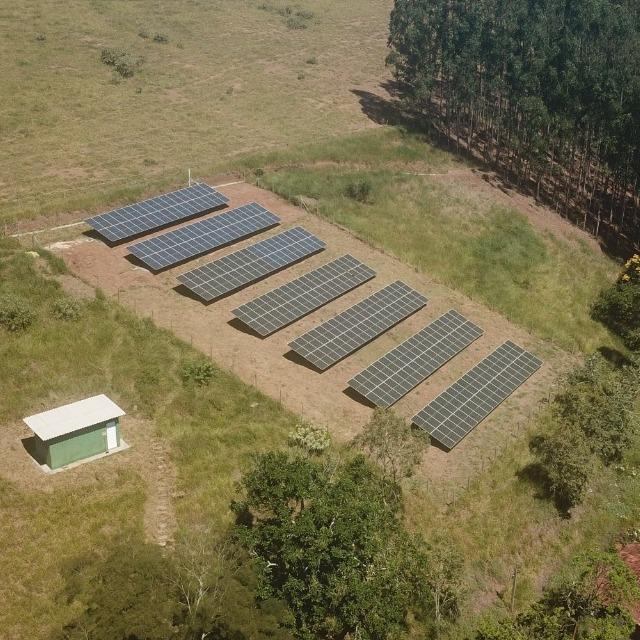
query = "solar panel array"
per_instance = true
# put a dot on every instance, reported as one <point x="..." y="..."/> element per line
<point x="293" y="300"/>
<point x="157" y="212"/>
<point x="333" y="340"/>
<point x="396" y="373"/>
<point x="466" y="403"/>
<point x="174" y="247"/>
<point x="238" y="269"/>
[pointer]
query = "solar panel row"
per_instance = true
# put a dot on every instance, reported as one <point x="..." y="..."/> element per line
<point x="388" y="379"/>
<point x="238" y="269"/>
<point x="157" y="212"/>
<point x="460" y="408"/>
<point x="282" y="306"/>
<point x="333" y="340"/>
<point x="448" y="418"/>
<point x="203" y="236"/>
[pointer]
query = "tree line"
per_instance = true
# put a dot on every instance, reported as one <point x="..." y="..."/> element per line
<point x="319" y="541"/>
<point x="545" y="91"/>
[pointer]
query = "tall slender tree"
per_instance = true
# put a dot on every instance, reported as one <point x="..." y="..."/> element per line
<point x="548" y="91"/>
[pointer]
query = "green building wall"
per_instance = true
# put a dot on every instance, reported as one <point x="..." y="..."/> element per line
<point x="75" y="446"/>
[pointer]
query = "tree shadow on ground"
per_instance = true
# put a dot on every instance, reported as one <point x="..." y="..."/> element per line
<point x="615" y="357"/>
<point x="534" y="475"/>
<point x="393" y="111"/>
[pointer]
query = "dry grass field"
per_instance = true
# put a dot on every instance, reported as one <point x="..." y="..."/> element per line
<point x="235" y="76"/>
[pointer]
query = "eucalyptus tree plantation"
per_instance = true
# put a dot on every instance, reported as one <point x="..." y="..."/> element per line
<point x="547" y="91"/>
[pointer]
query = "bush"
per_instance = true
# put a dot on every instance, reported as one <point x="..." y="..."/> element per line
<point x="15" y="313"/>
<point x="312" y="60"/>
<point x="618" y="307"/>
<point x="310" y="438"/>
<point x="296" y="22"/>
<point x="598" y="401"/>
<point x="124" y="63"/>
<point x="590" y="419"/>
<point x="66" y="309"/>
<point x="294" y="18"/>
<point x="162" y="38"/>
<point x="199" y="373"/>
<point x="566" y="460"/>
<point x="359" y="190"/>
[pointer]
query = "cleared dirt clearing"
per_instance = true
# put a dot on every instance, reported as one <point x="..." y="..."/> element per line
<point x="267" y="364"/>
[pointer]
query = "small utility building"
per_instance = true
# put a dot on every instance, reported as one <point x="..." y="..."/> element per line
<point x="76" y="431"/>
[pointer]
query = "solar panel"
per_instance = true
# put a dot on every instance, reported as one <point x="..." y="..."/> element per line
<point x="353" y="328"/>
<point x="465" y="404"/>
<point x="174" y="247"/>
<point x="251" y="263"/>
<point x="157" y="212"/>
<point x="291" y="301"/>
<point x="403" y="368"/>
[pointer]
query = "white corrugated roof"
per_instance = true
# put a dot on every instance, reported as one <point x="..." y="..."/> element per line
<point x="72" y="417"/>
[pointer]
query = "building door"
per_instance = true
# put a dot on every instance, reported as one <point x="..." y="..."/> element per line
<point x="112" y="436"/>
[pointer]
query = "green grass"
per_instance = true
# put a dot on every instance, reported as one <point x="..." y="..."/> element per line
<point x="503" y="521"/>
<point x="211" y="432"/>
<point x="225" y="83"/>
<point x="491" y="253"/>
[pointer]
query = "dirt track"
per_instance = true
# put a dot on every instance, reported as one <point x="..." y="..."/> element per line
<point x="321" y="397"/>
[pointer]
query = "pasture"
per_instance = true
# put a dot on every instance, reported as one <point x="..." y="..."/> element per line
<point x="233" y="76"/>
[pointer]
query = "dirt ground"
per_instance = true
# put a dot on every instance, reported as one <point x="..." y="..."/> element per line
<point x="268" y="363"/>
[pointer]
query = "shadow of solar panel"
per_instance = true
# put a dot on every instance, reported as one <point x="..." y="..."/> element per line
<point x="460" y="408"/>
<point x="345" y="333"/>
<point x="388" y="379"/>
<point x="247" y="265"/>
<point x="203" y="236"/>
<point x="157" y="212"/>
<point x="295" y="299"/>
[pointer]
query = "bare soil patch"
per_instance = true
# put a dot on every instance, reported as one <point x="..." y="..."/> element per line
<point x="321" y="397"/>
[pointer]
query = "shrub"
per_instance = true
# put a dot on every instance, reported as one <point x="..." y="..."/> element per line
<point x="162" y="38"/>
<point x="294" y="18"/>
<point x="15" y="313"/>
<point x="296" y="22"/>
<point x="590" y="419"/>
<point x="566" y="460"/>
<point x="66" y="309"/>
<point x="311" y="438"/>
<point x="301" y="75"/>
<point x="312" y="60"/>
<point x="359" y="190"/>
<point x="199" y="373"/>
<point x="389" y="440"/>
<point x="144" y="34"/>
<point x="618" y="307"/>
<point x="41" y="37"/>
<point x="124" y="63"/>
<point x="599" y="401"/>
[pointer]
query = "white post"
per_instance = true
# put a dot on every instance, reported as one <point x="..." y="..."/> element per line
<point x="189" y="177"/>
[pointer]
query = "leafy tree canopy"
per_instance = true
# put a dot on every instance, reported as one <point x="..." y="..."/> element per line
<point x="331" y="545"/>
<point x="590" y="601"/>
